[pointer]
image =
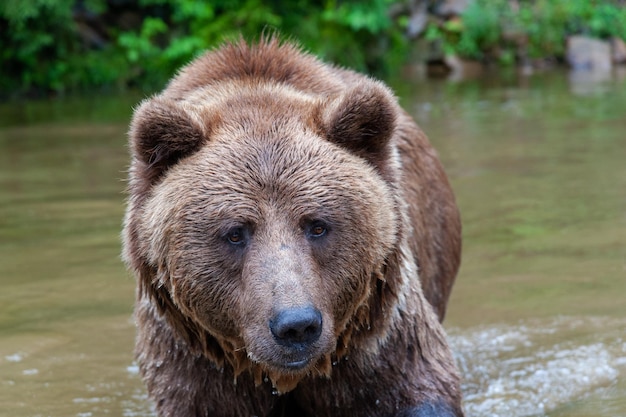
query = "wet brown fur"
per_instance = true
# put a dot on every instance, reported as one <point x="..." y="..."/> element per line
<point x="269" y="136"/>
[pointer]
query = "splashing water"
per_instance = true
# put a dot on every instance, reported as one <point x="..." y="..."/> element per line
<point x="533" y="368"/>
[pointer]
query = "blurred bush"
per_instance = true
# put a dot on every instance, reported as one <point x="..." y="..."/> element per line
<point x="68" y="45"/>
<point x="55" y="46"/>
<point x="510" y="31"/>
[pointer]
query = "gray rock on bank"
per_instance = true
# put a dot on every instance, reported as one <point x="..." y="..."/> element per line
<point x="585" y="53"/>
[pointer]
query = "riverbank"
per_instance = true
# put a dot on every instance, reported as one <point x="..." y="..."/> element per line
<point x="52" y="48"/>
<point x="461" y="35"/>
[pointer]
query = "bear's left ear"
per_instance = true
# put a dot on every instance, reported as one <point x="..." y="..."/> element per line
<point x="363" y="121"/>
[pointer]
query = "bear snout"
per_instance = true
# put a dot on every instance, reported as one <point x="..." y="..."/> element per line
<point x="296" y="328"/>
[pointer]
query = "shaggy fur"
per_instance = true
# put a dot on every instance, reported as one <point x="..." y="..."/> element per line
<point x="264" y="181"/>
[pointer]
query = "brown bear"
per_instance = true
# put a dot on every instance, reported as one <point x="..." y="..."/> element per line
<point x="294" y="239"/>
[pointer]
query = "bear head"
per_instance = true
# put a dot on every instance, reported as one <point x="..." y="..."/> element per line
<point x="262" y="217"/>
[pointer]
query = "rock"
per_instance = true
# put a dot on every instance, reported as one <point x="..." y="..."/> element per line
<point x="417" y="19"/>
<point x="585" y="53"/>
<point x="618" y="48"/>
<point x="449" y="8"/>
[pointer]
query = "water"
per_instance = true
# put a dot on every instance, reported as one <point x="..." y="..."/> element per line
<point x="537" y="319"/>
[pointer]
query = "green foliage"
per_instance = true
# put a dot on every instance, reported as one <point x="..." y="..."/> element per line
<point x="34" y="45"/>
<point x="536" y="29"/>
<point x="45" y="47"/>
<point x="480" y="29"/>
<point x="547" y="23"/>
<point x="41" y="48"/>
<point x="475" y="33"/>
<point x="350" y="33"/>
<point x="608" y="20"/>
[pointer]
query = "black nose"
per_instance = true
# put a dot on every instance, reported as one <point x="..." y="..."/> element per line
<point x="297" y="327"/>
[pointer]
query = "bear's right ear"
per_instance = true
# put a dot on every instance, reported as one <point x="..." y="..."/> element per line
<point x="161" y="133"/>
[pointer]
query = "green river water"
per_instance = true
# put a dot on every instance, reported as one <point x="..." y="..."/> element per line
<point x="537" y="318"/>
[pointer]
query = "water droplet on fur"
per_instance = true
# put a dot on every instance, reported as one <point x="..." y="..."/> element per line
<point x="266" y="379"/>
<point x="274" y="392"/>
<point x="335" y="363"/>
<point x="377" y="402"/>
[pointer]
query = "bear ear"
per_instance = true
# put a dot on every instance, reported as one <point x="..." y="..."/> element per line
<point x="162" y="132"/>
<point x="363" y="121"/>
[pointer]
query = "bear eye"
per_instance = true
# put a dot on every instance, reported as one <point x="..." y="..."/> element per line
<point x="236" y="236"/>
<point x="317" y="229"/>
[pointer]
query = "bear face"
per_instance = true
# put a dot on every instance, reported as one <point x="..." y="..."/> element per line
<point x="283" y="226"/>
<point x="278" y="211"/>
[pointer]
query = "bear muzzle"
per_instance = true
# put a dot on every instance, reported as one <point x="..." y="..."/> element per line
<point x="297" y="329"/>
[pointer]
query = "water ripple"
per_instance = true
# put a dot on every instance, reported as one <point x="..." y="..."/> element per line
<point x="532" y="368"/>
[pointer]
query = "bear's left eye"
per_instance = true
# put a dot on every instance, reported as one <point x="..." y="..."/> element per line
<point x="317" y="229"/>
<point x="236" y="236"/>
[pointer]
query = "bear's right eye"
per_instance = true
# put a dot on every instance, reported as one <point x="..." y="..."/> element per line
<point x="317" y="229"/>
<point x="236" y="236"/>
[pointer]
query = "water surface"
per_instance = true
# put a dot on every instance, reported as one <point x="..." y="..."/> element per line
<point x="538" y="315"/>
<point x="537" y="319"/>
